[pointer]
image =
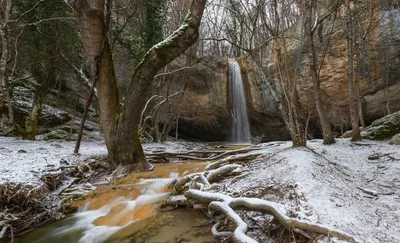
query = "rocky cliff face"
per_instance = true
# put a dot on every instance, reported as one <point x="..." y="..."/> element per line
<point x="379" y="82"/>
<point x="57" y="117"/>
<point x="204" y="113"/>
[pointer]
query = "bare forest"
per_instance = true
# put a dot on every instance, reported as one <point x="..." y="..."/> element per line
<point x="199" y="121"/>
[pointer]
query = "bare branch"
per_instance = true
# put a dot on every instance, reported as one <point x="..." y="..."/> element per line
<point x="175" y="71"/>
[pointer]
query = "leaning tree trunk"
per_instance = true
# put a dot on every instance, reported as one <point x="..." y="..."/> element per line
<point x="157" y="57"/>
<point x="121" y="126"/>
<point x="98" y="54"/>
<point x="309" y="29"/>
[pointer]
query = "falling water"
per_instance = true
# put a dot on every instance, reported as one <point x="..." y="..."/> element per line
<point x="240" y="119"/>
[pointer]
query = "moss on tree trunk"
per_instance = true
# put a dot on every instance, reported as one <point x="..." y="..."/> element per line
<point x="120" y="125"/>
<point x="31" y="122"/>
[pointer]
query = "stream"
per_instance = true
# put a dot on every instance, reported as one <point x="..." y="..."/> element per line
<point x="128" y="211"/>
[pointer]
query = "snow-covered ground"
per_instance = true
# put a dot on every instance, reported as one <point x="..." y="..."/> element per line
<point x="23" y="162"/>
<point x="354" y="187"/>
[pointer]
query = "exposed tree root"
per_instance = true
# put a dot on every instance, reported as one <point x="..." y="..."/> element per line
<point x="226" y="204"/>
<point x="231" y="159"/>
<point x="24" y="206"/>
<point x="203" y="180"/>
<point x="197" y="186"/>
<point x="205" y="154"/>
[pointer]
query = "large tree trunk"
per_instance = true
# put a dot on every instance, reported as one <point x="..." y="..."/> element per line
<point x="354" y="114"/>
<point x="157" y="57"/>
<point x="309" y="29"/>
<point x="4" y="85"/>
<point x="93" y="31"/>
<point x="121" y="126"/>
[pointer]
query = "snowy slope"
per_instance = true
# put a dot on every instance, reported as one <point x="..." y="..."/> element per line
<point x="24" y="162"/>
<point x="335" y="185"/>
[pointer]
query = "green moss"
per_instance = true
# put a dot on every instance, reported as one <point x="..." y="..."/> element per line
<point x="30" y="128"/>
<point x="383" y="128"/>
<point x="395" y="139"/>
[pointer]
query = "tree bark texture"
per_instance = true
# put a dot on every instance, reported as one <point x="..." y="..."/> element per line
<point x="120" y="125"/>
<point x="31" y="122"/>
<point x="155" y="59"/>
<point x="324" y="121"/>
<point x="4" y="85"/>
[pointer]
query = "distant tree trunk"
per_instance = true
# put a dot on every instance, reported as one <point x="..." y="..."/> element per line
<point x="31" y="122"/>
<point x="71" y="129"/>
<point x="359" y="42"/>
<point x="167" y="126"/>
<point x="309" y="29"/>
<point x="177" y="127"/>
<point x="290" y="102"/>
<point x="4" y="85"/>
<point x="354" y="112"/>
<point x="121" y="125"/>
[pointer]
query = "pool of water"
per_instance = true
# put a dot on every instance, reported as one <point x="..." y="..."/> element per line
<point x="127" y="211"/>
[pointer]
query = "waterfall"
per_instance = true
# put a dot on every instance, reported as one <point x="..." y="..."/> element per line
<point x="240" y="119"/>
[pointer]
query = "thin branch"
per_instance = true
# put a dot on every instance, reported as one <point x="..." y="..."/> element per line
<point x="28" y="11"/>
<point x="78" y="71"/>
<point x="47" y="20"/>
<point x="227" y="40"/>
<point x="16" y="53"/>
<point x="175" y="71"/>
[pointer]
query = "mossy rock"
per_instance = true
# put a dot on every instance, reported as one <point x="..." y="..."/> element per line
<point x="395" y="139"/>
<point x="383" y="128"/>
<point x="347" y="134"/>
<point x="57" y="134"/>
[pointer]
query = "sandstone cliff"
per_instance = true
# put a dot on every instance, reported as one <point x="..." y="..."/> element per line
<point x="208" y="82"/>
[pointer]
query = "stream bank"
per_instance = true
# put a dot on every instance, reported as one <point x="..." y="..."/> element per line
<point x="119" y="212"/>
<point x="348" y="188"/>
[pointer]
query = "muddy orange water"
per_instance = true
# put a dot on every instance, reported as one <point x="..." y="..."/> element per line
<point x="130" y="186"/>
<point x="128" y="208"/>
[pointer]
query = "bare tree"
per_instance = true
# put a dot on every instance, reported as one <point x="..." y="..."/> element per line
<point x="352" y="84"/>
<point x="276" y="19"/>
<point x="310" y="27"/>
<point x="120" y="124"/>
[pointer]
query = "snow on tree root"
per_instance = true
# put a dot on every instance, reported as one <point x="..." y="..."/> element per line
<point x="203" y="180"/>
<point x="226" y="204"/>
<point x="223" y="170"/>
<point x="230" y="159"/>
